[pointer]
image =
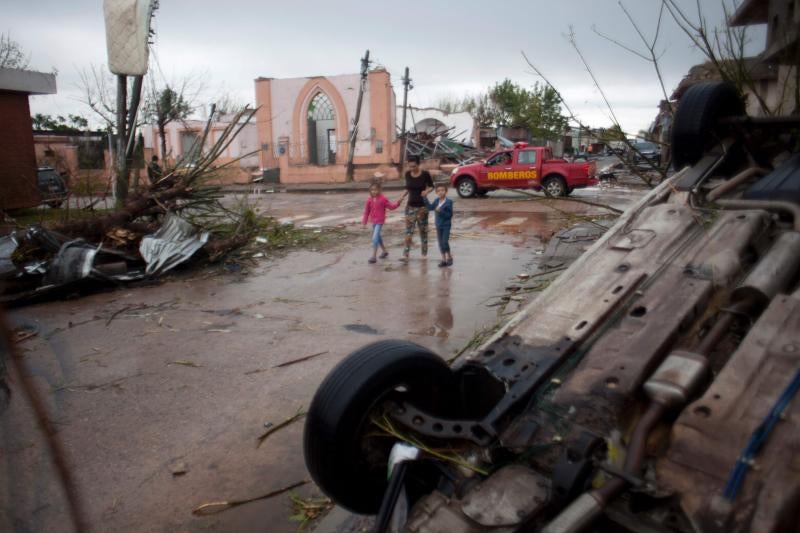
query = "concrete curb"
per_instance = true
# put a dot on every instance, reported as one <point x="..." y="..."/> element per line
<point x="314" y="188"/>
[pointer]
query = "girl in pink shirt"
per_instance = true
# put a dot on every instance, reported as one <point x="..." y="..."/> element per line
<point x="375" y="212"/>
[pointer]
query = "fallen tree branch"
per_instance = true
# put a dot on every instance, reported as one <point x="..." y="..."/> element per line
<point x="294" y="418"/>
<point x="300" y="360"/>
<point x="217" y="507"/>
<point x="587" y="202"/>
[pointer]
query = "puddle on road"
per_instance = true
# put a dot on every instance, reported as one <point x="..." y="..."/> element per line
<point x="530" y="225"/>
<point x="361" y="328"/>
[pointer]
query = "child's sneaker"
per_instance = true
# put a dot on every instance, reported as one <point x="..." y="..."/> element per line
<point x="450" y="262"/>
<point x="372" y="260"/>
<point x="442" y="264"/>
<point x="384" y="255"/>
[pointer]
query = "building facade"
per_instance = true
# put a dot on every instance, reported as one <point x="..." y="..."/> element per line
<point x="781" y="53"/>
<point x="304" y="126"/>
<point x="18" y="182"/>
<point x="239" y="162"/>
<point x="82" y="158"/>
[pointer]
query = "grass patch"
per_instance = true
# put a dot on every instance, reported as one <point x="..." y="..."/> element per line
<point x="306" y="510"/>
<point x="48" y="217"/>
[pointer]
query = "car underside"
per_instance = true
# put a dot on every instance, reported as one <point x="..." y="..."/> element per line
<point x="648" y="388"/>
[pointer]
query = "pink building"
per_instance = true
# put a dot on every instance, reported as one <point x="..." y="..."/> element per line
<point x="304" y="127"/>
<point x="181" y="138"/>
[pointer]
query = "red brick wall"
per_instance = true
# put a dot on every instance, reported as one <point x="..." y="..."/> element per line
<point x="17" y="157"/>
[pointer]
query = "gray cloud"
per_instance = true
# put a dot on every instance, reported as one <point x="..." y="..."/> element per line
<point x="451" y="48"/>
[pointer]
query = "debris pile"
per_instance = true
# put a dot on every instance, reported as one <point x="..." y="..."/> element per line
<point x="156" y="229"/>
<point x="441" y="144"/>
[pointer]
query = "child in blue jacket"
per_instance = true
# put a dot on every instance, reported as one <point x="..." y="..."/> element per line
<point x="443" y="207"/>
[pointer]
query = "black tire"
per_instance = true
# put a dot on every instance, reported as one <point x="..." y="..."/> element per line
<point x="696" y="127"/>
<point x="555" y="186"/>
<point x="482" y="192"/>
<point x="569" y="190"/>
<point x="466" y="187"/>
<point x="351" y="474"/>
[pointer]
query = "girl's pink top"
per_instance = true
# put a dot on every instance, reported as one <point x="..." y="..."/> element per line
<point x="375" y="209"/>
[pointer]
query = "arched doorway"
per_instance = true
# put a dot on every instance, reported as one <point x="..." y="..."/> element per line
<point x="321" y="130"/>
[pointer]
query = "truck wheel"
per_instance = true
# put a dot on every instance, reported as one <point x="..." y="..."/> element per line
<point x="696" y="127"/>
<point x="343" y="455"/>
<point x="555" y="186"/>
<point x="466" y="187"/>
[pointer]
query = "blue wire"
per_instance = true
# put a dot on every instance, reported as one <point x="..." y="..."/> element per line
<point x="758" y="438"/>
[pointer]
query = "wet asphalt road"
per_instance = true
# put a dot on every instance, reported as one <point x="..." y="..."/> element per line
<point x="160" y="393"/>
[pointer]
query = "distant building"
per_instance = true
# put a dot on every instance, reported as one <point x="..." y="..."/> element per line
<point x="304" y="127"/>
<point x="18" y="183"/>
<point x="772" y="72"/>
<point x="781" y="52"/>
<point x="182" y="137"/>
<point x="81" y="158"/>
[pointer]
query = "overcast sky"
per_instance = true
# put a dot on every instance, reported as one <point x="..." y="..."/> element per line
<point x="452" y="48"/>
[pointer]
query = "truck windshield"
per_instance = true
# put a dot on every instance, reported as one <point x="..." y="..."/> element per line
<point x="503" y="158"/>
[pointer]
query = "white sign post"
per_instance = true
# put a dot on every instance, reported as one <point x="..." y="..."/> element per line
<point x="127" y="42"/>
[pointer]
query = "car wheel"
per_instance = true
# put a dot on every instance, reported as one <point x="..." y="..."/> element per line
<point x="555" y="186"/>
<point x="345" y="461"/>
<point x="466" y="187"/>
<point x="696" y="126"/>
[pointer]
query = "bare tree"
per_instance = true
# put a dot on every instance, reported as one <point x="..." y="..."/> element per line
<point x="11" y="54"/>
<point x="616" y="127"/>
<point x="170" y="102"/>
<point x="651" y="55"/>
<point x="724" y="47"/>
<point x="98" y="92"/>
<point x="228" y="104"/>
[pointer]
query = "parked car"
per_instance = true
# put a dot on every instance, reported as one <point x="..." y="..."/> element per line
<point x="52" y="187"/>
<point x="645" y="151"/>
<point x="522" y="167"/>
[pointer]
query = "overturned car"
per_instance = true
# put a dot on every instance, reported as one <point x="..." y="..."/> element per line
<point x="649" y="388"/>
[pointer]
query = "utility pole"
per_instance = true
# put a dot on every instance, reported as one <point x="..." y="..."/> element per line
<point x="406" y="87"/>
<point x="120" y="187"/>
<point x="362" y="86"/>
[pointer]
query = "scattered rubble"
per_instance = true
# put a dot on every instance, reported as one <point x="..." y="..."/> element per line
<point x="158" y="228"/>
<point x="441" y="144"/>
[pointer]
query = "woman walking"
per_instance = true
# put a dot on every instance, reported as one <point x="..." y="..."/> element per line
<point x="418" y="184"/>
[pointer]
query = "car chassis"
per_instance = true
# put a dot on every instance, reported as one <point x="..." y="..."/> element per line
<point x="646" y="389"/>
